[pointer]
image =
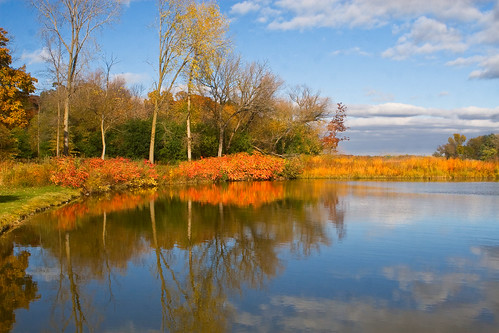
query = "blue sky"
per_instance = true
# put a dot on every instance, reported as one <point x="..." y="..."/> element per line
<point x="411" y="72"/>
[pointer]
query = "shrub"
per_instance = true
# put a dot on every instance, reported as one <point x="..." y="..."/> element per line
<point x="25" y="174"/>
<point x="96" y="175"/>
<point x="242" y="166"/>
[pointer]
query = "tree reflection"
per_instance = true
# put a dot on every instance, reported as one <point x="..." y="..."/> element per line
<point x="17" y="289"/>
<point x="206" y="244"/>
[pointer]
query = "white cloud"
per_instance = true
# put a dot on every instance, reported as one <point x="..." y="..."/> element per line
<point x="245" y="7"/>
<point x="427" y="36"/>
<point x="394" y="124"/>
<point x="352" y="51"/>
<point x="133" y="78"/>
<point x="379" y="96"/>
<point x="126" y="2"/>
<point x="489" y="69"/>
<point x="439" y="25"/>
<point x="361" y="13"/>
<point x="465" y="61"/>
<point x="35" y="57"/>
<point x="390" y="111"/>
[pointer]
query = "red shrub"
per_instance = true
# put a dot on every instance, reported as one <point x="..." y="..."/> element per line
<point x="236" y="167"/>
<point x="94" y="175"/>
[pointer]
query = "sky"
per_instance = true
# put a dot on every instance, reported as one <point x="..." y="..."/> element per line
<point x="411" y="72"/>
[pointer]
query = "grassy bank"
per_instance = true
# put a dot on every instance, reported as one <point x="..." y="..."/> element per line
<point x="17" y="203"/>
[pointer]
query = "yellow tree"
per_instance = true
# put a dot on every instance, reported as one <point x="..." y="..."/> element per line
<point x="206" y="36"/>
<point x="72" y="23"/>
<point x="171" y="57"/>
<point x="15" y="87"/>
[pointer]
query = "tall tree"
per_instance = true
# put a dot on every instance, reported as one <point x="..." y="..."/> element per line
<point x="171" y="57"/>
<point x="206" y="36"/>
<point x="220" y="82"/>
<point x="57" y="69"/>
<point x="73" y="22"/>
<point x="15" y="87"/>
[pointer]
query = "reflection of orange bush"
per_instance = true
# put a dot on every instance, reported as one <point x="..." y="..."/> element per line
<point x="239" y="194"/>
<point x="236" y="167"/>
<point x="405" y="167"/>
<point x="68" y="216"/>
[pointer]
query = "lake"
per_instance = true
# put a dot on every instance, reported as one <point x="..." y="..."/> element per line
<point x="297" y="256"/>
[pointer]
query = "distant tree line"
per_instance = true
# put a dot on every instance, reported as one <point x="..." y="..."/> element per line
<point x="485" y="147"/>
<point x="227" y="105"/>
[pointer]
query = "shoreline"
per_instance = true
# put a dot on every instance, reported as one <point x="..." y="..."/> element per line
<point x="53" y="197"/>
<point x="18" y="204"/>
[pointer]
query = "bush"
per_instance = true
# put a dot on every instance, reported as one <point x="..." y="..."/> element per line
<point x="96" y="175"/>
<point x="236" y="167"/>
<point x="25" y="174"/>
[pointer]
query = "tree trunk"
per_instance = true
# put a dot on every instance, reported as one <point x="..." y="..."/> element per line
<point x="58" y="135"/>
<point x="220" y="141"/>
<point x="66" y="127"/>
<point x="153" y="131"/>
<point x="189" y="138"/>
<point x="103" y="137"/>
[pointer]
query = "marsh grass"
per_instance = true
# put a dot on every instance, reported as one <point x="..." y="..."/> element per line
<point x="397" y="168"/>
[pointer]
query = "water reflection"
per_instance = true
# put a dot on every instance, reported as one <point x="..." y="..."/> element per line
<point x="17" y="289"/>
<point x="202" y="245"/>
<point x="290" y="256"/>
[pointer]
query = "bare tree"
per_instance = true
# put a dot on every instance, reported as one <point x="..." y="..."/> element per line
<point x="57" y="70"/>
<point x="241" y="94"/>
<point x="221" y="82"/>
<point x="72" y="23"/>
<point x="298" y="114"/>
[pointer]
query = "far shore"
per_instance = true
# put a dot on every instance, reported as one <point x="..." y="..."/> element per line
<point x="23" y="193"/>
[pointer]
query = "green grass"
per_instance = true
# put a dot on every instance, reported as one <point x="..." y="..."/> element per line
<point x="17" y="203"/>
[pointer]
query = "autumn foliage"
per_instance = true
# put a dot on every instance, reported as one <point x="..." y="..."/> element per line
<point x="335" y="127"/>
<point x="240" y="194"/>
<point x="403" y="167"/>
<point x="15" y="87"/>
<point x="97" y="175"/>
<point x="235" y="167"/>
<point x="68" y="216"/>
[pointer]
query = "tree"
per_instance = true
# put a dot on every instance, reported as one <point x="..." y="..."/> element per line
<point x="336" y="126"/>
<point x="15" y="87"/>
<point x="57" y="71"/>
<point x="116" y="101"/>
<point x="454" y="147"/>
<point x="485" y="147"/>
<point x="171" y="57"/>
<point x="72" y="23"/>
<point x="206" y="29"/>
<point x="241" y="94"/>
<point x="292" y="126"/>
<point x="221" y="81"/>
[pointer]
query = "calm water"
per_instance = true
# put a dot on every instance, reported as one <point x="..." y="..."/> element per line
<point x="314" y="256"/>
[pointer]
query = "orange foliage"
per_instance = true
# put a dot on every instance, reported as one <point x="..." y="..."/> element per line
<point x="239" y="194"/>
<point x="404" y="167"/>
<point x="68" y="216"/>
<point x="15" y="87"/>
<point x="236" y="167"/>
<point x="96" y="175"/>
